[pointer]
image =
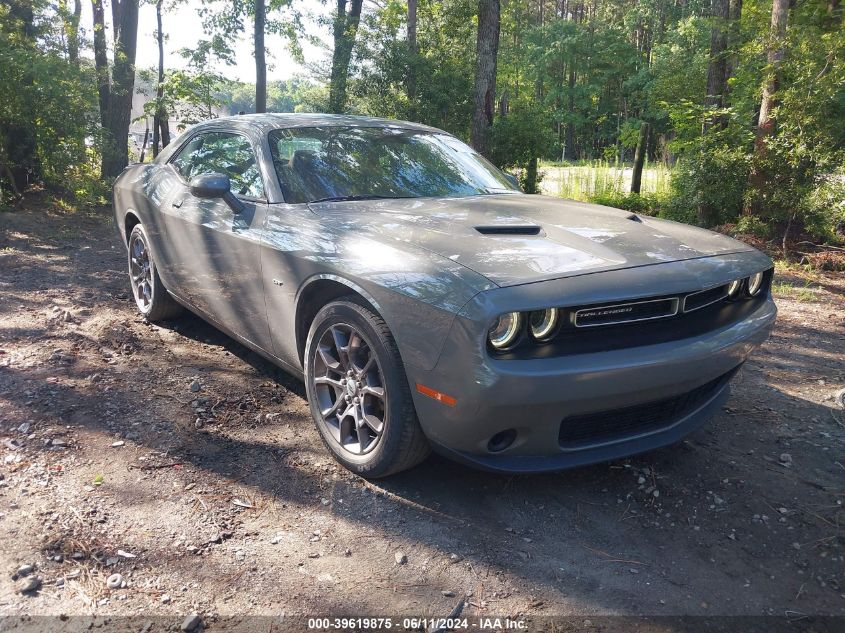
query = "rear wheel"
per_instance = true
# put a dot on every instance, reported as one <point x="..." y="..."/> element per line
<point x="151" y="298"/>
<point x="358" y="391"/>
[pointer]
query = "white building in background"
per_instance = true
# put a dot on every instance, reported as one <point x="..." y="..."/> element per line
<point x="141" y="124"/>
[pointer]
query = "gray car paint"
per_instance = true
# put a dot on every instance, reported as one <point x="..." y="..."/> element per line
<point x="439" y="283"/>
<point x="536" y="395"/>
<point x="575" y="238"/>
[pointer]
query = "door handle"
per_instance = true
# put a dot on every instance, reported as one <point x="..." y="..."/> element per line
<point x="178" y="203"/>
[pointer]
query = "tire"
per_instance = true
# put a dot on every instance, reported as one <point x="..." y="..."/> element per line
<point x="151" y="297"/>
<point x="349" y="426"/>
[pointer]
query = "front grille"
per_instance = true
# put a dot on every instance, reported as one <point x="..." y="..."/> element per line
<point x="625" y="312"/>
<point x="704" y="298"/>
<point x="604" y="426"/>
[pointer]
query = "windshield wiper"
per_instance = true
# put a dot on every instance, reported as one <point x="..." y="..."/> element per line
<point x="353" y="198"/>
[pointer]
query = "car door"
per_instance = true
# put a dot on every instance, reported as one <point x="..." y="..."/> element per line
<point x="213" y="254"/>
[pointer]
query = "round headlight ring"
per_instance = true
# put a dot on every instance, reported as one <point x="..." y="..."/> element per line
<point x="505" y="330"/>
<point x="755" y="284"/>
<point x="734" y="289"/>
<point x="542" y="323"/>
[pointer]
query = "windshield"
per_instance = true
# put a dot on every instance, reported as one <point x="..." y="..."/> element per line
<point x="326" y="163"/>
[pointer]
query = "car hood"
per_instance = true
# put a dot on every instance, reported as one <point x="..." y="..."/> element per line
<point x="517" y="238"/>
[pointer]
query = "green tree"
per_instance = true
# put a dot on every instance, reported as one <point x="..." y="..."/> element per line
<point x="486" y="57"/>
<point x="48" y="112"/>
<point x="344" y="30"/>
<point x="225" y="19"/>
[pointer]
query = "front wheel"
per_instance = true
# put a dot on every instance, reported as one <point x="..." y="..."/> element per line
<point x="151" y="297"/>
<point x="358" y="392"/>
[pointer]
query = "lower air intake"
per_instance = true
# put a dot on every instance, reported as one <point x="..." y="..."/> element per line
<point x="597" y="428"/>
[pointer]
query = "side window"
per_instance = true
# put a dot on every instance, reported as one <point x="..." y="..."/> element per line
<point x="224" y="153"/>
<point x="182" y="161"/>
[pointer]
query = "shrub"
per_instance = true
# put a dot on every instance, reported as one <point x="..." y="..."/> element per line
<point x="645" y="204"/>
<point x="752" y="225"/>
<point x="824" y="217"/>
<point x="714" y="176"/>
<point x="518" y="140"/>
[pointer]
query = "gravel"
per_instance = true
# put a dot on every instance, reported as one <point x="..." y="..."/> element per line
<point x="29" y="585"/>
<point x="192" y="622"/>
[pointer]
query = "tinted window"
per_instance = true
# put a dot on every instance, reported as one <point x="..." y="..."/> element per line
<point x="315" y="163"/>
<point x="224" y="153"/>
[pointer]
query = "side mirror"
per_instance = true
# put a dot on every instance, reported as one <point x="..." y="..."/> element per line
<point x="216" y="186"/>
<point x="210" y="185"/>
<point x="512" y="179"/>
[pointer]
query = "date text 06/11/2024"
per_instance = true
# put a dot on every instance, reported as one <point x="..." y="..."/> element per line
<point x="417" y="623"/>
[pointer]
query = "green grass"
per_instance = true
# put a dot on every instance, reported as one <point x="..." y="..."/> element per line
<point x="600" y="179"/>
<point x="802" y="294"/>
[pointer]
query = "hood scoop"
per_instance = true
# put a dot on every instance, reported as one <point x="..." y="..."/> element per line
<point x="634" y="218"/>
<point x="509" y="229"/>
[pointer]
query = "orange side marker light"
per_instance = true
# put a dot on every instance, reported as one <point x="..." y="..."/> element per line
<point x="440" y="397"/>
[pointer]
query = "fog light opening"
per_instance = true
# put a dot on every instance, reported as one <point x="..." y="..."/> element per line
<point x="501" y="441"/>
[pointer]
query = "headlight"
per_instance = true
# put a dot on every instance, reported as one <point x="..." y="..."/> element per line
<point x="734" y="288"/>
<point x="755" y="283"/>
<point x="542" y="323"/>
<point x="505" y="330"/>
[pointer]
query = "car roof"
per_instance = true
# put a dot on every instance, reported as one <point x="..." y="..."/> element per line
<point x="270" y="121"/>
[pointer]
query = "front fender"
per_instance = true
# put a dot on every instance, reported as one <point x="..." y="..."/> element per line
<point x="418" y="303"/>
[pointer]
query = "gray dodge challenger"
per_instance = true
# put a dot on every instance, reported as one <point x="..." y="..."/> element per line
<point x="429" y="304"/>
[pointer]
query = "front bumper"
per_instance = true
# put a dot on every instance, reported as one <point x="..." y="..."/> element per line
<point x="535" y="397"/>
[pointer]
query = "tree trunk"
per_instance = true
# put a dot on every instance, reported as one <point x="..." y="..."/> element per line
<point x="164" y="124"/>
<point x="11" y="181"/>
<point x="486" y="50"/>
<point x="156" y="136"/>
<point x="529" y="184"/>
<point x="73" y="37"/>
<point x="144" y="144"/>
<point x="71" y="28"/>
<point x="717" y="84"/>
<point x="569" y="143"/>
<point x="504" y="106"/>
<point x="116" y="143"/>
<point x="734" y="17"/>
<point x="412" y="58"/>
<point x="639" y="158"/>
<point x="780" y="13"/>
<point x="345" y="29"/>
<point x="160" y="86"/>
<point x="161" y="124"/>
<point x="101" y="60"/>
<point x="260" y="58"/>
<point x="717" y="66"/>
<point x="766" y="124"/>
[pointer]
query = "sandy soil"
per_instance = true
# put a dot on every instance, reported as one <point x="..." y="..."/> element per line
<point x="223" y="502"/>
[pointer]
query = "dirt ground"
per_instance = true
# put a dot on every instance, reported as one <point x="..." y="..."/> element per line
<point x="180" y="460"/>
